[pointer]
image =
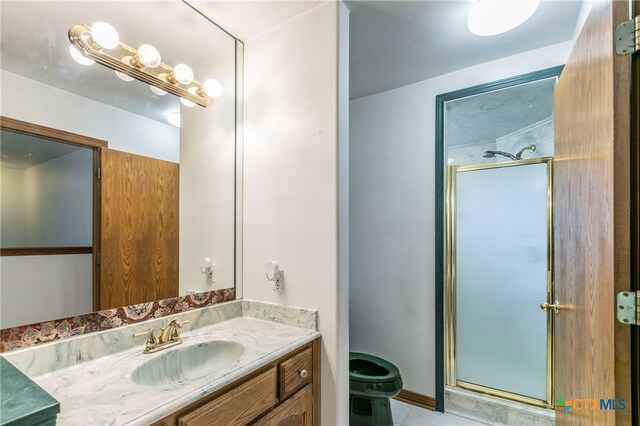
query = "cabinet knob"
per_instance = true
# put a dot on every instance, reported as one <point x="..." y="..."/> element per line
<point x="304" y="374"/>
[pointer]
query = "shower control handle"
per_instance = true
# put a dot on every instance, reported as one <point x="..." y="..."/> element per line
<point x="555" y="307"/>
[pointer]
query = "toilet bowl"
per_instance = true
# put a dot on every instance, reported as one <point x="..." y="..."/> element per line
<point x="372" y="381"/>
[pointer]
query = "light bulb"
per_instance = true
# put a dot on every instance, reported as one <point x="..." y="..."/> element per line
<point x="148" y="56"/>
<point x="79" y="57"/>
<point x="212" y="88"/>
<point x="105" y="35"/>
<point x="492" y="17"/>
<point x="123" y="76"/>
<point x="183" y="73"/>
<point x="174" y="119"/>
<point x="187" y="102"/>
<point x="158" y="91"/>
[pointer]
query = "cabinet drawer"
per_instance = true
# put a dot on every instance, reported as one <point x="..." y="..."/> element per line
<point x="239" y="406"/>
<point x="295" y="373"/>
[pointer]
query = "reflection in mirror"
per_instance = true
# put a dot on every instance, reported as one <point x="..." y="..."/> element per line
<point x="114" y="193"/>
<point x="46" y="193"/>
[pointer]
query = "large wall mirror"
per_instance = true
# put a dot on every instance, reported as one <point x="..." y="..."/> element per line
<point x="113" y="192"/>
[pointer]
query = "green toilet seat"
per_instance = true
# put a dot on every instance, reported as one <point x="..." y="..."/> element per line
<point x="371" y="369"/>
<point x="373" y="377"/>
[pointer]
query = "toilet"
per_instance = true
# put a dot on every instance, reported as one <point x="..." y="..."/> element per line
<point x="372" y="381"/>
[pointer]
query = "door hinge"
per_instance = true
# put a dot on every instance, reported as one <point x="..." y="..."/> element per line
<point x="98" y="258"/>
<point x="628" y="36"/>
<point x="628" y="307"/>
<point x="99" y="173"/>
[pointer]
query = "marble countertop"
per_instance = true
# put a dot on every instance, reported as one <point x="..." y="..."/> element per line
<point x="91" y="376"/>
<point x="22" y="401"/>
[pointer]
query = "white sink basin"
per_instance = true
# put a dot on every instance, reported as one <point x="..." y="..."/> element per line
<point x="187" y="363"/>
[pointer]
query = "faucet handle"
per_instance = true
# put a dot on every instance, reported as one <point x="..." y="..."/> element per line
<point x="178" y="324"/>
<point x="172" y="330"/>
<point x="151" y="340"/>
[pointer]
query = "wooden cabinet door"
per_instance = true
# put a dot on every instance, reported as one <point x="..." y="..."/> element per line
<point x="237" y="407"/>
<point x="591" y="212"/>
<point x="139" y="229"/>
<point x="295" y="411"/>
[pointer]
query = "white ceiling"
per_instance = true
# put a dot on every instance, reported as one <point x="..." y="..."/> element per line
<point x="34" y="44"/>
<point x="395" y="43"/>
<point x="23" y="151"/>
<point x="248" y="19"/>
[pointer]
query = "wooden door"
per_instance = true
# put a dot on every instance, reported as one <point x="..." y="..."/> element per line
<point x="592" y="237"/>
<point x="139" y="238"/>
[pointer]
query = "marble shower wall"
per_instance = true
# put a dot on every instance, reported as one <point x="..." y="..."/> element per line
<point x="470" y="155"/>
<point x="540" y="134"/>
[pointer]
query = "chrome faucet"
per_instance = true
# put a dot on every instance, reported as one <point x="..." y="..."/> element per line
<point x="169" y="337"/>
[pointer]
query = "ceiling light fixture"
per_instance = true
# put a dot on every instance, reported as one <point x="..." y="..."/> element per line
<point x="492" y="17"/>
<point x="89" y="44"/>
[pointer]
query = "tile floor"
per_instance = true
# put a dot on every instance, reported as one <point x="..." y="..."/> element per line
<point x="408" y="415"/>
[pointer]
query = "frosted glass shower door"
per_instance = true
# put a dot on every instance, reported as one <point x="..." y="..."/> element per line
<point x="502" y="265"/>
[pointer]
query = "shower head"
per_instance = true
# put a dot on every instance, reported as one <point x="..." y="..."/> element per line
<point x="530" y="148"/>
<point x="492" y="154"/>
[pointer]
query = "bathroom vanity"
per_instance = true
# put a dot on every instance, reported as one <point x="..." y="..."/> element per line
<point x="239" y="363"/>
<point x="285" y="392"/>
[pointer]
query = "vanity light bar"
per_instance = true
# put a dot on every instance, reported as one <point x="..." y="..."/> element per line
<point x="124" y="59"/>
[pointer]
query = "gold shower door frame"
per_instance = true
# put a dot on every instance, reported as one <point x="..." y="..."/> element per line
<point x="450" y="293"/>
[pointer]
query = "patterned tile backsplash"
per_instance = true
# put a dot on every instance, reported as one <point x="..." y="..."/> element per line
<point x="35" y="334"/>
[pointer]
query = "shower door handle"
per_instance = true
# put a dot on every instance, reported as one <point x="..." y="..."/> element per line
<point x="555" y="307"/>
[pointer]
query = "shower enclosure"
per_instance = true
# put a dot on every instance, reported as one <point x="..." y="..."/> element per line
<point x="499" y="269"/>
<point x="494" y="263"/>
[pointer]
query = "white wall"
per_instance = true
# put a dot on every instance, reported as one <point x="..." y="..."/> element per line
<point x="50" y="286"/>
<point x="291" y="181"/>
<point x="392" y="222"/>
<point x="58" y="198"/>
<point x="35" y="102"/>
<point x="207" y="176"/>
